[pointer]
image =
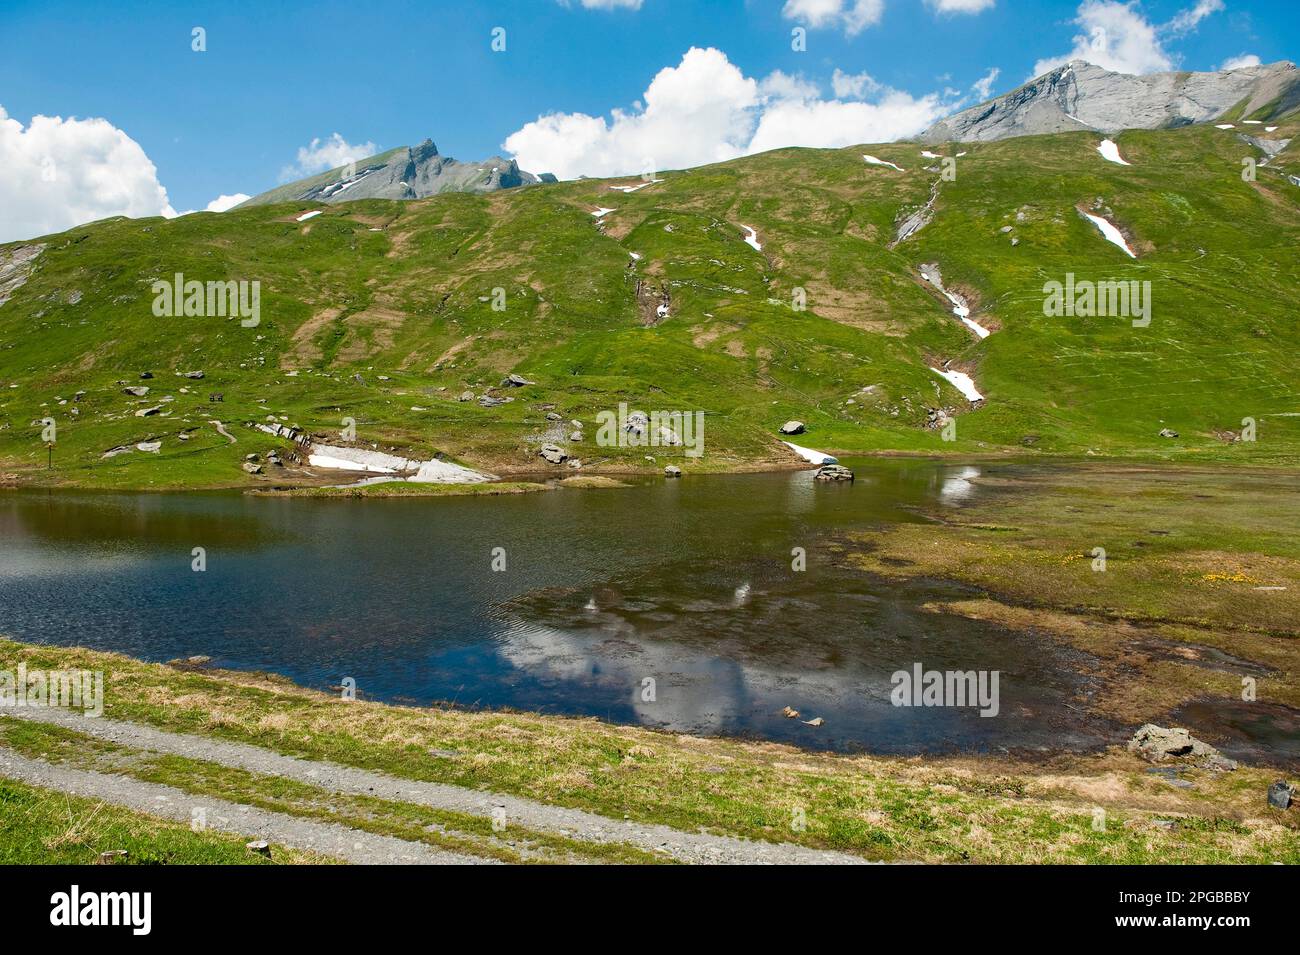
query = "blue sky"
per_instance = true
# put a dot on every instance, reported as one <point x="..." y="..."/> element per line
<point x="276" y="76"/>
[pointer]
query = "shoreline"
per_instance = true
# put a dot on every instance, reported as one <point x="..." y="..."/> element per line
<point x="941" y="809"/>
<point x="530" y="474"/>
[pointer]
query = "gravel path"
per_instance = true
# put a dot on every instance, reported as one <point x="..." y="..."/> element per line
<point x="326" y="838"/>
<point x="574" y="823"/>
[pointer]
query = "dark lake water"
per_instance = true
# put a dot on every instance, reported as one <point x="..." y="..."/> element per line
<point x="687" y="583"/>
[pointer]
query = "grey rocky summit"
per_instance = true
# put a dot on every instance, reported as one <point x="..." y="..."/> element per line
<point x="1079" y="96"/>
<point x="407" y="172"/>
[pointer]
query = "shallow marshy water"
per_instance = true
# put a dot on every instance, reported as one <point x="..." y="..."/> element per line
<point x="673" y="604"/>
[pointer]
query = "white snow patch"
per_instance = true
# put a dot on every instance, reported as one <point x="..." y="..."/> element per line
<point x="1111" y="233"/>
<point x="961" y="381"/>
<point x="959" y="306"/>
<point x="358" y="459"/>
<point x="1270" y="129"/>
<point x="811" y="456"/>
<point x="399" y="468"/>
<point x="600" y="213"/>
<point x="308" y="215"/>
<point x="636" y="256"/>
<point x="630" y="189"/>
<point x="929" y="155"/>
<point x="1225" y="126"/>
<point x="752" y="238"/>
<point x="872" y="160"/>
<point x="1109" y="150"/>
<point x="1253" y="122"/>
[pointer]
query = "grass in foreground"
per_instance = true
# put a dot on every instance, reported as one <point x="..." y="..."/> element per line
<point x="43" y="827"/>
<point x="941" y="810"/>
<point x="442" y="829"/>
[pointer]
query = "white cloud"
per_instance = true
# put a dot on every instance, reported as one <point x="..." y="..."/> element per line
<point x="1187" y="20"/>
<point x="696" y="112"/>
<point x="833" y="123"/>
<point x="706" y="110"/>
<point x="1116" y="37"/>
<point x="330" y="153"/>
<point x="223" y="202"/>
<point x="853" y="15"/>
<point x="852" y="85"/>
<point x="783" y="86"/>
<point x="960" y="6"/>
<point x="62" y="172"/>
<point x="606" y="4"/>
<point x="984" y="85"/>
<point x="1240" y="62"/>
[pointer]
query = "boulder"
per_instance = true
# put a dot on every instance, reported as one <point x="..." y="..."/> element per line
<point x="1168" y="433"/>
<point x="553" y="454"/>
<point x="136" y="391"/>
<point x="1281" y="794"/>
<point x="252" y="467"/>
<point x="146" y="375"/>
<point x="833" y="472"/>
<point x="148" y="412"/>
<point x="515" y="381"/>
<point x="792" y="427"/>
<point x="465" y="396"/>
<point x="552" y="416"/>
<point x="196" y="375"/>
<point x="638" y="422"/>
<point x="672" y="470"/>
<point x="1158" y="744"/>
<point x="575" y="436"/>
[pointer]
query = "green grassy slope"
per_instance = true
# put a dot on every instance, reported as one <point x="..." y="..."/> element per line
<point x="404" y="290"/>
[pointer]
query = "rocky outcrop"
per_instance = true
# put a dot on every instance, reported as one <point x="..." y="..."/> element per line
<point x="408" y="172"/>
<point x="1080" y="96"/>
<point x="1158" y="744"/>
<point x="833" y="472"/>
<point x="15" y="266"/>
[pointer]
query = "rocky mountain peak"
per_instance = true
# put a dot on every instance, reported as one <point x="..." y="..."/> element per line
<point x="1081" y="95"/>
